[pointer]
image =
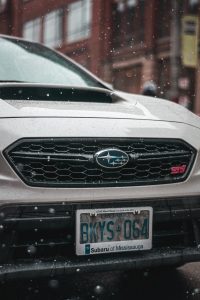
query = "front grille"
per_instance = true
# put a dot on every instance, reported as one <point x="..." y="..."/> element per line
<point x="47" y="231"/>
<point x="69" y="162"/>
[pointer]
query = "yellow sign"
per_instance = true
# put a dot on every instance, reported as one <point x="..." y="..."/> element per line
<point x="190" y="34"/>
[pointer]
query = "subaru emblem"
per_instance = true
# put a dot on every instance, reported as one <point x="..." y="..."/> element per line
<point x="111" y="158"/>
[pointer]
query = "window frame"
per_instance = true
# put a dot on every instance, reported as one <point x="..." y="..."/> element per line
<point x="55" y="39"/>
<point x="83" y="31"/>
<point x="33" y="25"/>
<point x="124" y="35"/>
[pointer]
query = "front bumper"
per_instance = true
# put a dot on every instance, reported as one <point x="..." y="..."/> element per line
<point x="136" y="261"/>
<point x="40" y="240"/>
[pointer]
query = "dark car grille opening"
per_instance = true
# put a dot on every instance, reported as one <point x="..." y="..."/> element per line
<point x="65" y="162"/>
<point x="47" y="231"/>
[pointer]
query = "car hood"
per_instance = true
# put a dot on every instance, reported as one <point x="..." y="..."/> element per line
<point x="130" y="107"/>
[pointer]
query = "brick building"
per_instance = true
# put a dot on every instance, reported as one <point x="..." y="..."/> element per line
<point x="125" y="42"/>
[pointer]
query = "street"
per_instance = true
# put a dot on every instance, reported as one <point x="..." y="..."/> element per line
<point x="182" y="283"/>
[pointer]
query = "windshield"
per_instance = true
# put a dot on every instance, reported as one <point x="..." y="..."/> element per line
<point x="31" y="62"/>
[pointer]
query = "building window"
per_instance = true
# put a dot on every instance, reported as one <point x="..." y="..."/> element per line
<point x="164" y="18"/>
<point x="2" y="4"/>
<point x="32" y="29"/>
<point x="53" y="28"/>
<point x="128" y="22"/>
<point x="79" y="20"/>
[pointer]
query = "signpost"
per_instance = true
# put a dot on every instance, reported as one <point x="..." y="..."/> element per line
<point x="190" y="32"/>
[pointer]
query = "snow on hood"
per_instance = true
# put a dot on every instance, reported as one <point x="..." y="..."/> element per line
<point x="135" y="107"/>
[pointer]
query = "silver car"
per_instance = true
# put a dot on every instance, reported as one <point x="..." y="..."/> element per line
<point x="91" y="178"/>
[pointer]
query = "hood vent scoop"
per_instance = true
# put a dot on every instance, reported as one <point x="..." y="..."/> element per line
<point x="56" y="93"/>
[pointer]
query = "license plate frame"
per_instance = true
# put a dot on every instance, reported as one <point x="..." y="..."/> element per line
<point x="91" y="248"/>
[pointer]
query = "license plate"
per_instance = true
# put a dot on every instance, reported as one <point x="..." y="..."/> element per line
<point x="113" y="230"/>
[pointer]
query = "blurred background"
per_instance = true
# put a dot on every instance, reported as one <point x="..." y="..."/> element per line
<point x="125" y="42"/>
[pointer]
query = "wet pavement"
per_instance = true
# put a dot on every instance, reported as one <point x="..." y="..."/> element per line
<point x="180" y="284"/>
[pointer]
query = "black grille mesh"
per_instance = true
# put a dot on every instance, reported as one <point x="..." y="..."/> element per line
<point x="71" y="162"/>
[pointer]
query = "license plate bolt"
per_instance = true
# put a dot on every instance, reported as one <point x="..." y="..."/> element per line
<point x="136" y="212"/>
<point x="93" y="214"/>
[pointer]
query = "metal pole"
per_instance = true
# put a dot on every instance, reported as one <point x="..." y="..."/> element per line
<point x="175" y="49"/>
